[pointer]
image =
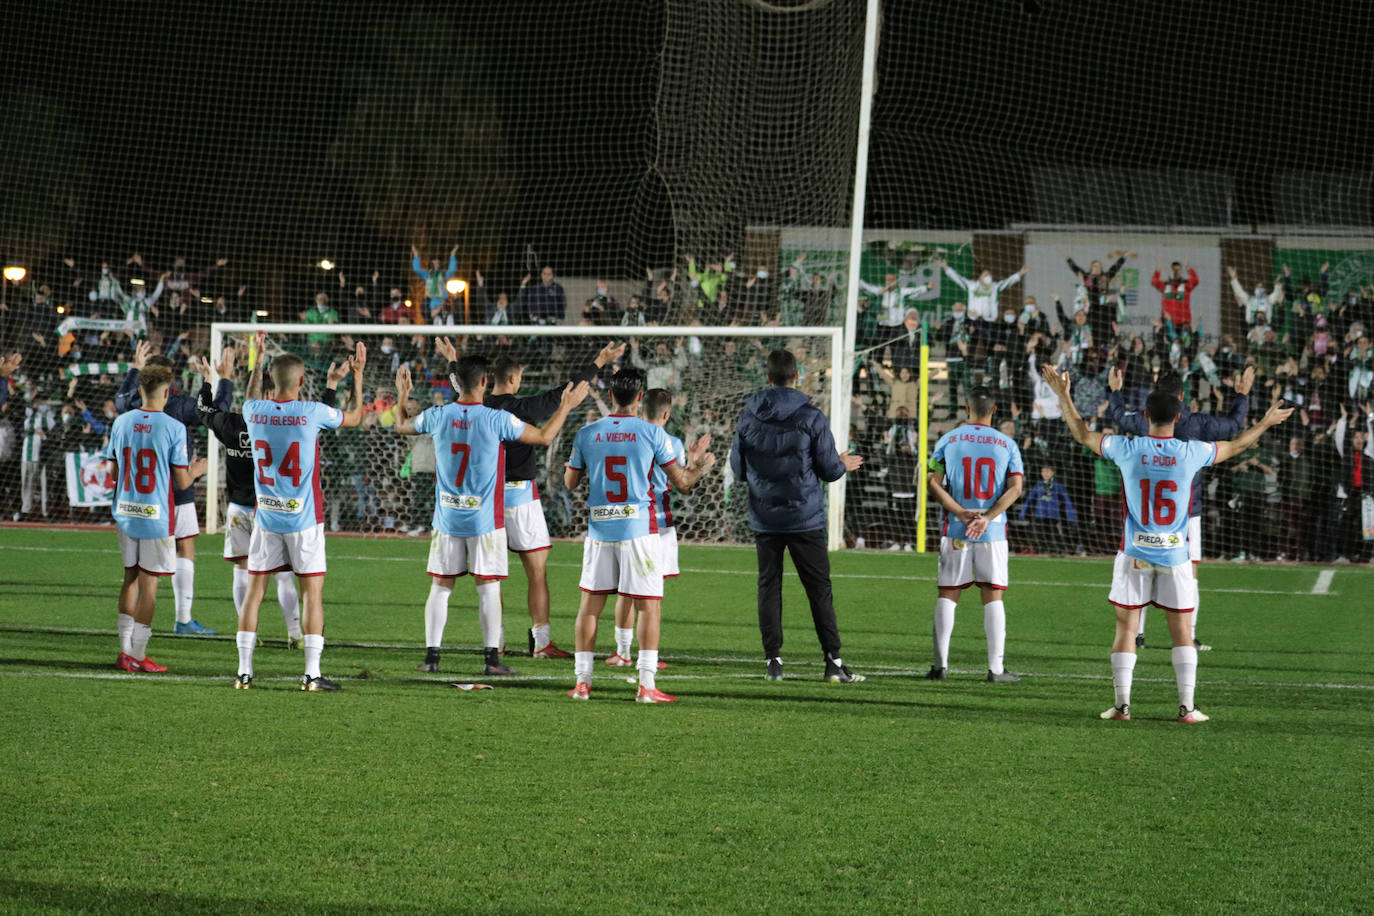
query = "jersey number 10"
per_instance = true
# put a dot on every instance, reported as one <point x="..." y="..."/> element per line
<point x="979" y="477"/>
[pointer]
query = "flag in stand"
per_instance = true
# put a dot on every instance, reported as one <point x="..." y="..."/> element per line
<point x="90" y="479"/>
<point x="76" y="369"/>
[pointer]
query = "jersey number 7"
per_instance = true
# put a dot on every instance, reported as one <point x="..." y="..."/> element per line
<point x="464" y="452"/>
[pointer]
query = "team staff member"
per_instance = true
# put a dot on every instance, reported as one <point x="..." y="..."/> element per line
<point x="783" y="450"/>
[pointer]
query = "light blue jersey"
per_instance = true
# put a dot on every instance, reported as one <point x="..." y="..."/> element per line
<point x="286" y="456"/>
<point x="1157" y="473"/>
<point x="663" y="502"/>
<point x="469" y="465"/>
<point x="145" y="445"/>
<point x="976" y="462"/>
<point x="619" y="453"/>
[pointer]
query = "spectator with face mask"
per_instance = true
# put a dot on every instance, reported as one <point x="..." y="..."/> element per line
<point x="1176" y="309"/>
<point x="957" y="334"/>
<point x="1259" y="302"/>
<point x="544" y="303"/>
<point x="1100" y="304"/>
<point x="982" y="292"/>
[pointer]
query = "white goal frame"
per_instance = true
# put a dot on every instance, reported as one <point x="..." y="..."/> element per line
<point x="839" y="402"/>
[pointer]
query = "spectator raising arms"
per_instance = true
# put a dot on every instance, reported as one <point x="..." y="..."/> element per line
<point x="434" y="279"/>
<point x="983" y="292"/>
<point x="1176" y="310"/>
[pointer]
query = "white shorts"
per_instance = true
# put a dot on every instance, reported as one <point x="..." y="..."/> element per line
<point x="152" y="555"/>
<point x="667" y="552"/>
<point x="631" y="568"/>
<point x="301" y="552"/>
<point x="483" y="556"/>
<point x="188" y="523"/>
<point x="526" y="530"/>
<point x="1136" y="583"/>
<point x="964" y="563"/>
<point x="1195" y="538"/>
<point x="238" y="531"/>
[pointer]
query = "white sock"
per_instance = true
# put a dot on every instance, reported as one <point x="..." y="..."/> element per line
<point x="246" y="640"/>
<point x="436" y="615"/>
<point x="648" y="667"/>
<point x="944" y="625"/>
<point x="582" y="666"/>
<point x="995" y="626"/>
<point x="241" y="579"/>
<point x="1185" y="673"/>
<point x="624" y="639"/>
<point x="489" y="613"/>
<point x="314" y="648"/>
<point x="1141" y="631"/>
<point x="184" y="588"/>
<point x="138" y="643"/>
<point x="1197" y="599"/>
<point x="290" y="602"/>
<point x="1123" y="669"/>
<point x="542" y="636"/>
<point x="124" y="624"/>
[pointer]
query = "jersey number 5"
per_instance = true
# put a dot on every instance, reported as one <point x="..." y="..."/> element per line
<point x="616" y="476"/>
<point x="979" y="477"/>
<point x="290" y="464"/>
<point x="1165" y="510"/>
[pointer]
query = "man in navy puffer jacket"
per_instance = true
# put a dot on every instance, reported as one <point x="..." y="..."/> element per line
<point x="783" y="449"/>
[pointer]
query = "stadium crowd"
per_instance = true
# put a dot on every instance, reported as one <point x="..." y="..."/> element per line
<point x="1297" y="497"/>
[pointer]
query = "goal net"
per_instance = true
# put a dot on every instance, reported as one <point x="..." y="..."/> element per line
<point x="377" y="482"/>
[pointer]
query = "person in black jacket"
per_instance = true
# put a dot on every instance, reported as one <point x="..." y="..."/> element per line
<point x="783" y="449"/>
<point x="527" y="532"/>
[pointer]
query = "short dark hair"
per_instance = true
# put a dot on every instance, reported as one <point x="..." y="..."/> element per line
<point x="469" y="372"/>
<point x="1162" y="407"/>
<point x="503" y="367"/>
<point x="782" y="367"/>
<point x="981" y="403"/>
<point x="284" y="368"/>
<point x="626" y="386"/>
<point x="656" y="400"/>
<point x="154" y="376"/>
<point x="1175" y="264"/>
<point x="1170" y="383"/>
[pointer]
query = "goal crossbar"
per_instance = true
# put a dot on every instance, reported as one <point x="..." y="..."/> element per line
<point x="838" y="412"/>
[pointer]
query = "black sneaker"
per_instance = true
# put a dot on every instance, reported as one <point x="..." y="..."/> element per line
<point x="1140" y="640"/>
<point x="243" y="682"/>
<point x="319" y="684"/>
<point x="1006" y="677"/>
<point x="774" y="669"/>
<point x="840" y="674"/>
<point x="936" y="673"/>
<point x="497" y="669"/>
<point x="429" y="667"/>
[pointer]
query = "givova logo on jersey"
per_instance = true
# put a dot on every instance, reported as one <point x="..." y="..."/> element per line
<point x="614" y="513"/>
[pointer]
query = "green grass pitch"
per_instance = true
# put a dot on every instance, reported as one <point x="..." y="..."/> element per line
<point x="176" y="793"/>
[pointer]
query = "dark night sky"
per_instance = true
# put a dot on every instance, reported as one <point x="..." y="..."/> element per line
<point x="205" y="126"/>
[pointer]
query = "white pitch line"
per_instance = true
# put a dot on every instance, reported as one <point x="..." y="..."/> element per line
<point x="1323" y="584"/>
<point x="608" y="678"/>
<point x="834" y="575"/>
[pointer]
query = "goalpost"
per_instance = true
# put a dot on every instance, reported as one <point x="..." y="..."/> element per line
<point x="717" y="368"/>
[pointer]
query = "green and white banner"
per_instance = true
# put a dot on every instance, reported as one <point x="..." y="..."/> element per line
<point x="102" y="324"/>
<point x="76" y="369"/>
<point x="90" y="479"/>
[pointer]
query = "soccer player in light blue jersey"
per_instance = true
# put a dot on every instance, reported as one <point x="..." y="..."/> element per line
<point x="149" y="451"/>
<point x="976" y="474"/>
<point x="288" y="527"/>
<point x="1152" y="566"/>
<point x="469" y="493"/>
<point x="622" y="552"/>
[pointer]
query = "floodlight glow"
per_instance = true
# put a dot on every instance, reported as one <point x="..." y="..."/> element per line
<point x="455" y="287"/>
<point x="326" y="264"/>
<point x="15" y="274"/>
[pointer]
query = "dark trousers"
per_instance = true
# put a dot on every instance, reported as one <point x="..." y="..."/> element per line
<point x="812" y="562"/>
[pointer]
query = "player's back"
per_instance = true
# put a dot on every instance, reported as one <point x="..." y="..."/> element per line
<point x="618" y="453"/>
<point x="286" y="453"/>
<point x="977" y="461"/>
<point x="663" y="507"/>
<point x="1157" y="473"/>
<point x="470" y="466"/>
<point x="146" y="445"/>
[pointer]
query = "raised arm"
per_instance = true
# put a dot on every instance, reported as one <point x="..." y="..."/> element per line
<point x="255" y="377"/>
<point x="403" y="425"/>
<point x="1059" y="384"/>
<point x="1232" y="447"/>
<point x="572" y="396"/>
<point x="701" y="460"/>
<point x="354" y="415"/>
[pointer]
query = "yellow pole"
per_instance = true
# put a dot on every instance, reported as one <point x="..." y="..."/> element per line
<point x="923" y="441"/>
